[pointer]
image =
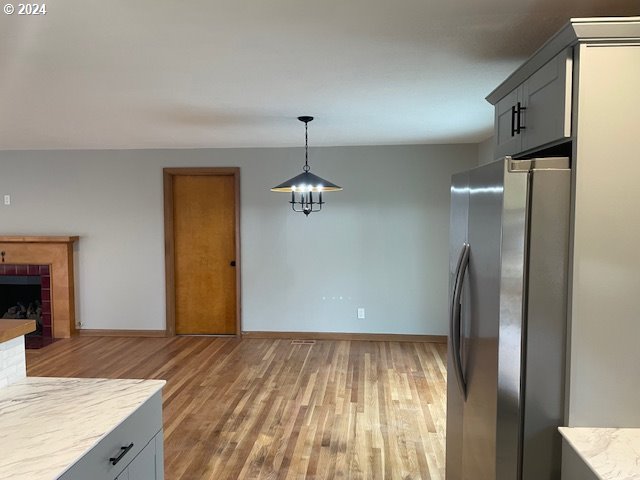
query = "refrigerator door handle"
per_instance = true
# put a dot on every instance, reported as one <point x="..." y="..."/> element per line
<point x="454" y="321"/>
<point x="454" y="294"/>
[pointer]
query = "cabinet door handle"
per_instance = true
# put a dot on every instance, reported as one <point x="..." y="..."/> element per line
<point x="513" y="120"/>
<point x="123" y="452"/>
<point x="519" y="126"/>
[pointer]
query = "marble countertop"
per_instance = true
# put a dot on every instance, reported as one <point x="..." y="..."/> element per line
<point x="611" y="453"/>
<point x="47" y="424"/>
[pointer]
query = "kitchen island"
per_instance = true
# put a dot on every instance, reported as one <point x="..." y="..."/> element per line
<point x="75" y="428"/>
<point x="12" y="360"/>
<point x="70" y="427"/>
<point x="609" y="453"/>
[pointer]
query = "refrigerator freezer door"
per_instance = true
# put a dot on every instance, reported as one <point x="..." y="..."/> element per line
<point x="511" y="319"/>
<point x="455" y="400"/>
<point x="493" y="208"/>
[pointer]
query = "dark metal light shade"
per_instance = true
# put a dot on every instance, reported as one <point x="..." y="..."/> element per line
<point x="303" y="187"/>
<point x="306" y="182"/>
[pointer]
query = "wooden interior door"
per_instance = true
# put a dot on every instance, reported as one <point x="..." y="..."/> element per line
<point x="204" y="241"/>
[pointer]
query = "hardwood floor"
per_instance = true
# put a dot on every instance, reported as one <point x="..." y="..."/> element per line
<point x="267" y="409"/>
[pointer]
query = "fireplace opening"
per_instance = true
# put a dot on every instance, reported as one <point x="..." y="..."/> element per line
<point x="20" y="299"/>
<point x="25" y="294"/>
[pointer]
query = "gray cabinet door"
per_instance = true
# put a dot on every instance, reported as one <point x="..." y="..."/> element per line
<point x="124" y="475"/>
<point x="538" y="112"/>
<point x="507" y="142"/>
<point x="547" y="98"/>
<point x="148" y="464"/>
<point x="137" y="430"/>
<point x="143" y="467"/>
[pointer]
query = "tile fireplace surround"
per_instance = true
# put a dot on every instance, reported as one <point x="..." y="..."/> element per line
<point x="57" y="252"/>
<point x="42" y="272"/>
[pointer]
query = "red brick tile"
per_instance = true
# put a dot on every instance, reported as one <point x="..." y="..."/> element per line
<point x="44" y="269"/>
<point x="45" y="281"/>
<point x="46" y="319"/>
<point x="45" y="295"/>
<point x="46" y="331"/>
<point x="46" y="307"/>
<point x="21" y="269"/>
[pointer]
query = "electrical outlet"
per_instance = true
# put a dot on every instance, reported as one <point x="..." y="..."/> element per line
<point x="7" y="199"/>
<point x="361" y="312"/>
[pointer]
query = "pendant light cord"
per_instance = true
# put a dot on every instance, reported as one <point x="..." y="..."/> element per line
<point x="306" y="167"/>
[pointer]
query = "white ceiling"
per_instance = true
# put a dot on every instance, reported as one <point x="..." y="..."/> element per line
<point x="237" y="73"/>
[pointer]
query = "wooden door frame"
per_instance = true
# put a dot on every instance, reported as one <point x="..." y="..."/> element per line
<point x="169" y="248"/>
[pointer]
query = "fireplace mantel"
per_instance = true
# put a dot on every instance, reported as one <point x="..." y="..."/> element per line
<point x="55" y="239"/>
<point x="57" y="252"/>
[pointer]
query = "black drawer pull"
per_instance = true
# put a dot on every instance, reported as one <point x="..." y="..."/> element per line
<point x="115" y="460"/>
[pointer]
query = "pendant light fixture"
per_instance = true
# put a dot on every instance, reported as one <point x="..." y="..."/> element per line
<point x="303" y="186"/>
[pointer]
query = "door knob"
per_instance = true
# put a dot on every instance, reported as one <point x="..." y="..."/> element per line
<point x="232" y="263"/>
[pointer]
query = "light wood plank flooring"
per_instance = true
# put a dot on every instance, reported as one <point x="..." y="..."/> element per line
<point x="267" y="409"/>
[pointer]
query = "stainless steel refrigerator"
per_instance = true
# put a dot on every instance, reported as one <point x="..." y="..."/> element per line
<point x="509" y="242"/>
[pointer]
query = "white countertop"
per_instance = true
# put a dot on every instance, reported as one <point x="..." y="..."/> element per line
<point x="611" y="453"/>
<point x="47" y="424"/>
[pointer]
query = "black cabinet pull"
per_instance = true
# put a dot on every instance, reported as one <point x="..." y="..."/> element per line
<point x="516" y="119"/>
<point x="519" y="126"/>
<point x="232" y="263"/>
<point x="115" y="460"/>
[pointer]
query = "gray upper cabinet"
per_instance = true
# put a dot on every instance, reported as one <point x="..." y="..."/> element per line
<point x="547" y="98"/>
<point x="538" y="112"/>
<point x="507" y="141"/>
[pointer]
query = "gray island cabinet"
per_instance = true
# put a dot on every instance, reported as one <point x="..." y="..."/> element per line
<point x="81" y="429"/>
<point x="132" y="451"/>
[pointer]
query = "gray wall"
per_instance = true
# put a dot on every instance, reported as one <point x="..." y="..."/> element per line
<point x="380" y="244"/>
<point x="486" y="151"/>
